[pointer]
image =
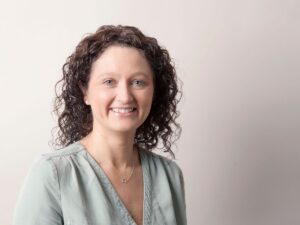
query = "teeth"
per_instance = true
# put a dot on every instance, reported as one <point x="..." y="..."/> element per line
<point x="122" y="110"/>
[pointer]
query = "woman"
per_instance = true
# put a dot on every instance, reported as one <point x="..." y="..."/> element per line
<point x="117" y="102"/>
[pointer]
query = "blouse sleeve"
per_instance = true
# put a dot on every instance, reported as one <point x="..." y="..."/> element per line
<point x="39" y="199"/>
<point x="181" y="212"/>
<point x="184" y="218"/>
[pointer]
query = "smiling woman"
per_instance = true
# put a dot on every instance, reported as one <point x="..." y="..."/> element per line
<point x="117" y="100"/>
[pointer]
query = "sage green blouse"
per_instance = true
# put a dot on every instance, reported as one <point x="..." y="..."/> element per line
<point x="69" y="187"/>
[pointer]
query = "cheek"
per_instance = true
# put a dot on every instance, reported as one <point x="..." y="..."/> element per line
<point x="147" y="100"/>
<point x="101" y="100"/>
<point x="103" y="96"/>
<point x="151" y="95"/>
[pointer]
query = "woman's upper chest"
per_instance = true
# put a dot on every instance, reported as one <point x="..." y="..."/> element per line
<point x="131" y="193"/>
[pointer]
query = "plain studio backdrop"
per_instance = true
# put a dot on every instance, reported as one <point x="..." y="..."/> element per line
<point x="240" y="66"/>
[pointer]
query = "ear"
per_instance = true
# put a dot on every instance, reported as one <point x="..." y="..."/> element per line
<point x="83" y="90"/>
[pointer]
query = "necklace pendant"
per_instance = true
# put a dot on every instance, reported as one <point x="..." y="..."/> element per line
<point x="124" y="181"/>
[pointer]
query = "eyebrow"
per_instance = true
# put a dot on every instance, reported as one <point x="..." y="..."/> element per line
<point x="115" y="74"/>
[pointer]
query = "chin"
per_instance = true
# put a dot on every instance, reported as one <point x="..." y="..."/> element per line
<point x="125" y="129"/>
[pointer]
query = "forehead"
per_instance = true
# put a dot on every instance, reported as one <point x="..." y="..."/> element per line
<point x="121" y="60"/>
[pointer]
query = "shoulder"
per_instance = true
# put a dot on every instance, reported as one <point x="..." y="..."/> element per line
<point x="39" y="198"/>
<point x="160" y="159"/>
<point x="41" y="172"/>
<point x="167" y="185"/>
<point x="71" y="149"/>
<point x="161" y="164"/>
<point x="64" y="156"/>
<point x="46" y="166"/>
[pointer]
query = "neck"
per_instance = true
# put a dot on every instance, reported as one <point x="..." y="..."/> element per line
<point x="109" y="149"/>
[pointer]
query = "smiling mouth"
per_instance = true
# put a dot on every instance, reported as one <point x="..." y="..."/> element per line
<point x="123" y="110"/>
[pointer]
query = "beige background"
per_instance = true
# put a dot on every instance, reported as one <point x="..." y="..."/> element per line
<point x="239" y="62"/>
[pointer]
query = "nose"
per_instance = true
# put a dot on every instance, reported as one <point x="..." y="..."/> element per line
<point x="124" y="94"/>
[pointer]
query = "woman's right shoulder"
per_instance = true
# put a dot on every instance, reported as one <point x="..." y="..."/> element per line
<point x="39" y="200"/>
<point x="52" y="161"/>
<point x="71" y="149"/>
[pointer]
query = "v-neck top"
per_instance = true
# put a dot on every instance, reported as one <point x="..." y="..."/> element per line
<point x="69" y="187"/>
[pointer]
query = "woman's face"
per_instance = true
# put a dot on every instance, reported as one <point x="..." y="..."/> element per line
<point x="120" y="90"/>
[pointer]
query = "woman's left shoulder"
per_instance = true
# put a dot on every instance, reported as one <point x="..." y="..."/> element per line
<point x="160" y="162"/>
<point x="167" y="186"/>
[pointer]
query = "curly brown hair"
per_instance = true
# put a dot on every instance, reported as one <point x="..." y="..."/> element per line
<point x="75" y="117"/>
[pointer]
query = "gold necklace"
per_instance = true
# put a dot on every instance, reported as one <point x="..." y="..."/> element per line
<point x="125" y="180"/>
